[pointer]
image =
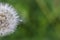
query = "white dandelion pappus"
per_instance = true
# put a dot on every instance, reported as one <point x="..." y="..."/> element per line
<point x="8" y="19"/>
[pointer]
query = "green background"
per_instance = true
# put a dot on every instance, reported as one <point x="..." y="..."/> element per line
<point x="41" y="20"/>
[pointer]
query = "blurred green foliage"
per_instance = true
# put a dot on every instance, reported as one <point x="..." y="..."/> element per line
<point x="41" y="20"/>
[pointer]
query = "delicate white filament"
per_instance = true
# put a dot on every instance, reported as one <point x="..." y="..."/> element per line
<point x="8" y="19"/>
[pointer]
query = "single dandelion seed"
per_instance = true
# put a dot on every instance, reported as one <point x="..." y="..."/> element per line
<point x="8" y="19"/>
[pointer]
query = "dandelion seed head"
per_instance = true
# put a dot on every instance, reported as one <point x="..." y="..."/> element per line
<point x="8" y="19"/>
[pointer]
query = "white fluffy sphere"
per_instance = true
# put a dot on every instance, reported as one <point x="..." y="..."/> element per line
<point x="8" y="19"/>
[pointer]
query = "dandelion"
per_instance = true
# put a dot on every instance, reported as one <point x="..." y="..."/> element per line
<point x="8" y="19"/>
